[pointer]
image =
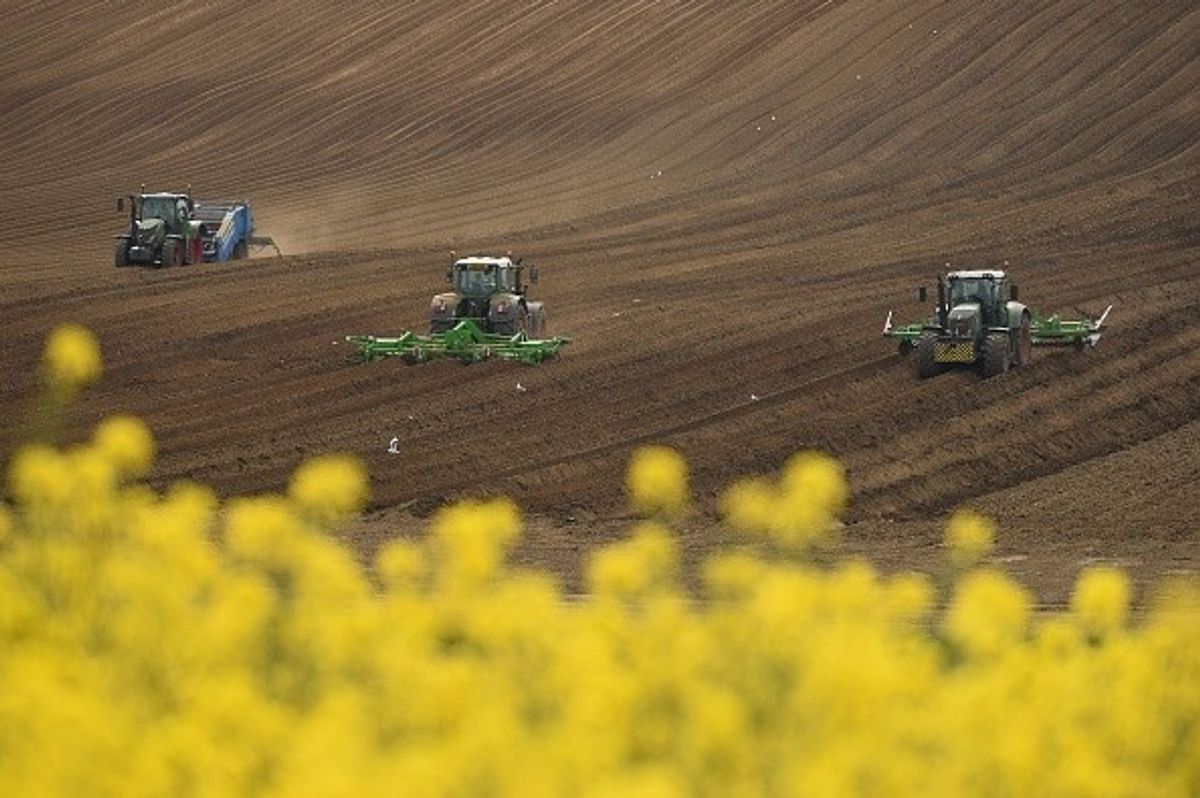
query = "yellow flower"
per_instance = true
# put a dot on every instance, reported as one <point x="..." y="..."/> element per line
<point x="970" y="537"/>
<point x="1101" y="600"/>
<point x="911" y="596"/>
<point x="72" y="358"/>
<point x="472" y="539"/>
<point x="817" y="479"/>
<point x="330" y="488"/>
<point x="401" y="565"/>
<point x="657" y="481"/>
<point x="126" y="443"/>
<point x="262" y="531"/>
<point x="635" y="567"/>
<point x="750" y="505"/>
<point x="733" y="575"/>
<point x="38" y="475"/>
<point x="989" y="613"/>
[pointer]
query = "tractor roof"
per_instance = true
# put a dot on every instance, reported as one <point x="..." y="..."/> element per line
<point x="482" y="260"/>
<point x="979" y="274"/>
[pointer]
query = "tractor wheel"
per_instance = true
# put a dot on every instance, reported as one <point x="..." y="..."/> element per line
<point x="519" y="324"/>
<point x="995" y="356"/>
<point x="171" y="254"/>
<point x="926" y="366"/>
<point x="439" y="326"/>
<point x="121" y="253"/>
<point x="1023" y="353"/>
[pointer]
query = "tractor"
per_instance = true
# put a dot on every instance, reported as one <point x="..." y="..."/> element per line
<point x="167" y="229"/>
<point x="163" y="231"/>
<point x="486" y="316"/>
<point x="978" y="321"/>
<point x="490" y="292"/>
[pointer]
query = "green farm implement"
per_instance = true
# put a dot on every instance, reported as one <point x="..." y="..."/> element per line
<point x="464" y="342"/>
<point x="979" y="322"/>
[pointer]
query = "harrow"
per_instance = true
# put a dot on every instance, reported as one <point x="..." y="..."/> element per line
<point x="464" y="342"/>
<point x="1044" y="331"/>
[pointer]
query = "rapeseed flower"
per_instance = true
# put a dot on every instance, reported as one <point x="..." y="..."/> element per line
<point x="330" y="488"/>
<point x="989" y="613"/>
<point x="236" y="648"/>
<point x="657" y="481"/>
<point x="72" y="358"/>
<point x="1100" y="601"/>
<point x="126" y="443"/>
<point x="970" y="538"/>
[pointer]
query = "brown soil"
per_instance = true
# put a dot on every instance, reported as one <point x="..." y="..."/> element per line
<point x="725" y="199"/>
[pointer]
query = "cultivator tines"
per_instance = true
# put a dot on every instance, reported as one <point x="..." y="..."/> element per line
<point x="464" y="342"/>
<point x="1055" y="331"/>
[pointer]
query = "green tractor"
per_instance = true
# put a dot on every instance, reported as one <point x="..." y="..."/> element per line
<point x="486" y="316"/>
<point x="490" y="292"/>
<point x="979" y="322"/>
<point x="163" y="231"/>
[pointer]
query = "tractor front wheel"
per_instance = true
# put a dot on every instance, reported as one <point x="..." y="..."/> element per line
<point x="926" y="366"/>
<point x="121" y="253"/>
<point x="172" y="255"/>
<point x="995" y="355"/>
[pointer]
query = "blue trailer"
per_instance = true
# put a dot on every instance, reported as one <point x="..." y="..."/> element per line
<point x="228" y="232"/>
<point x="167" y="229"/>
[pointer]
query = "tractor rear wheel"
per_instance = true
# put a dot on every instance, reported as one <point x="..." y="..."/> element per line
<point x="121" y="253"/>
<point x="438" y="326"/>
<point x="1023" y="353"/>
<point x="926" y="366"/>
<point x="537" y="323"/>
<point x="513" y="326"/>
<point x="995" y="356"/>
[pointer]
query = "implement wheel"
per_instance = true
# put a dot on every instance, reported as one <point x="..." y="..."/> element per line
<point x="995" y="357"/>
<point x="926" y="366"/>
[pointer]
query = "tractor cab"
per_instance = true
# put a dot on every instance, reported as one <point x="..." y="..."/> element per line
<point x="175" y="210"/>
<point x="491" y="292"/>
<point x="482" y="277"/>
<point x="985" y="290"/>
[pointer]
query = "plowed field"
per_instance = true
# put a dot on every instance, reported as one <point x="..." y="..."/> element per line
<point x="724" y="199"/>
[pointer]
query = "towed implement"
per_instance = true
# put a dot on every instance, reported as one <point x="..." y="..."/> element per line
<point x="464" y="342"/>
<point x="979" y="322"/>
<point x="487" y="316"/>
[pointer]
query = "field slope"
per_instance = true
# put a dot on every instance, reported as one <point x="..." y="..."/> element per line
<point x="725" y="199"/>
